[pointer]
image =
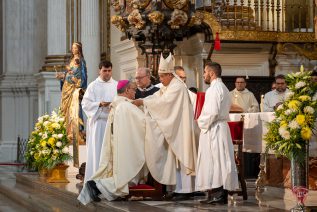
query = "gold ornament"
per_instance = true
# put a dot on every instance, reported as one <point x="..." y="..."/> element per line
<point x="196" y="19"/>
<point x="116" y="5"/>
<point x="178" y="18"/>
<point x="176" y="4"/>
<point x="140" y="4"/>
<point x="119" y="23"/>
<point x="135" y="19"/>
<point x="156" y="17"/>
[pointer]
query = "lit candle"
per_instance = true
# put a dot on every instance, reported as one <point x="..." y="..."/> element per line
<point x="197" y="77"/>
<point x="302" y="68"/>
<point x="246" y="74"/>
<point x="262" y="103"/>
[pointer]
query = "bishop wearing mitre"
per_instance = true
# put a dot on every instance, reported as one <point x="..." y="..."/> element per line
<point x="170" y="148"/>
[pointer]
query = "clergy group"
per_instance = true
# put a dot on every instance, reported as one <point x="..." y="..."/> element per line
<point x="130" y="140"/>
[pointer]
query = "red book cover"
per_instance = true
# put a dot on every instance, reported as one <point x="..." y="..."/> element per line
<point x="199" y="104"/>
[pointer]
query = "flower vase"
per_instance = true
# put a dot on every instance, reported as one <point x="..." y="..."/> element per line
<point x="43" y="173"/>
<point x="299" y="175"/>
<point x="58" y="174"/>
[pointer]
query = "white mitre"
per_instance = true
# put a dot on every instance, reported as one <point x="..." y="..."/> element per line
<point x="166" y="65"/>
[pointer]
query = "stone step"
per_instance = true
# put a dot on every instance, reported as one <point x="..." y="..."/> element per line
<point x="8" y="205"/>
<point x="37" y="200"/>
<point x="39" y="196"/>
<point x="30" y="190"/>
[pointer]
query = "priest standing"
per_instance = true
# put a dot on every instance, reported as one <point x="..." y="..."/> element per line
<point x="216" y="168"/>
<point x="95" y="103"/>
<point x="170" y="147"/>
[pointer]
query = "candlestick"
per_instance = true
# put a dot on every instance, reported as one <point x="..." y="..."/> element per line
<point x="197" y="78"/>
<point x="262" y="103"/>
<point x="302" y="68"/>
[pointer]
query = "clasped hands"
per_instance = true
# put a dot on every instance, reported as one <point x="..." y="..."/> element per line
<point x="137" y="102"/>
<point x="104" y="104"/>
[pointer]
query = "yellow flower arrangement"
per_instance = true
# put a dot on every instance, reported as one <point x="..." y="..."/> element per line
<point x="294" y="120"/>
<point x="48" y="144"/>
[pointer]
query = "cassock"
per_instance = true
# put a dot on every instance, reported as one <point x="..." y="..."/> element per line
<point x="215" y="164"/>
<point x="96" y="92"/>
<point x="170" y="147"/>
<point x="245" y="99"/>
<point x="122" y="160"/>
<point x="142" y="93"/>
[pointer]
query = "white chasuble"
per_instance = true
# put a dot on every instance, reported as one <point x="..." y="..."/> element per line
<point x="122" y="158"/>
<point x="97" y="91"/>
<point x="170" y="140"/>
<point x="215" y="164"/>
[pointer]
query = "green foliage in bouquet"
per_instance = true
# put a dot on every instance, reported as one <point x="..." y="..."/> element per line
<point x="294" y="120"/>
<point x="48" y="144"/>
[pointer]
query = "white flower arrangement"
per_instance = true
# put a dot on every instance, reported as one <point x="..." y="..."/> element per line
<point x="48" y="144"/>
<point x="294" y="121"/>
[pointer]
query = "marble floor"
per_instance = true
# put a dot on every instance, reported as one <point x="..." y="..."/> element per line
<point x="22" y="191"/>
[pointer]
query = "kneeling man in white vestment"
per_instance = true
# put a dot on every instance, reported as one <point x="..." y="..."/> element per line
<point x="216" y="168"/>
<point x="170" y="148"/>
<point x="122" y="161"/>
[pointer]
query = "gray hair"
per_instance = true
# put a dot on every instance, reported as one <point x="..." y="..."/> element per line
<point x="146" y="70"/>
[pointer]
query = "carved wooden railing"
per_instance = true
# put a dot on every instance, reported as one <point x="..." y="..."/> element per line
<point x="268" y="15"/>
<point x="287" y="24"/>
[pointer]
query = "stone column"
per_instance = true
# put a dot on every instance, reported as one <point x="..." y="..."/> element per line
<point x="48" y="86"/>
<point x="56" y="27"/>
<point x="24" y="50"/>
<point x="90" y="36"/>
<point x="190" y="54"/>
<point x="126" y="59"/>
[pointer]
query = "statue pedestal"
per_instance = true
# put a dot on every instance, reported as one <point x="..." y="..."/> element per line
<point x="49" y="93"/>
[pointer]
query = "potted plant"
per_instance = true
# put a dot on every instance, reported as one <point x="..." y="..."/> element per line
<point x="47" y="147"/>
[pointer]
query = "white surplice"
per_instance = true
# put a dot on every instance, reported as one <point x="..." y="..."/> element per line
<point x="96" y="92"/>
<point x="170" y="147"/>
<point x="122" y="160"/>
<point x="215" y="164"/>
<point x="272" y="98"/>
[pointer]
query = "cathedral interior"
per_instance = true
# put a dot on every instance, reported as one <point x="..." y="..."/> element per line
<point x="256" y="39"/>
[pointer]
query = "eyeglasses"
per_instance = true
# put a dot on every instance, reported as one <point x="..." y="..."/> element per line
<point x="139" y="78"/>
